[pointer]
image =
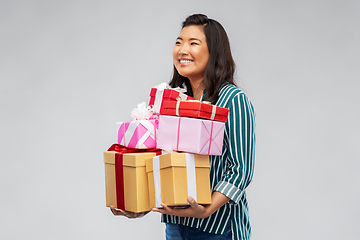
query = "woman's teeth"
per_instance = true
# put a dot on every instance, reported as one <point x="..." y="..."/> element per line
<point x="185" y="61"/>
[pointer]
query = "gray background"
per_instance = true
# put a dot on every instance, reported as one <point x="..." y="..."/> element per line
<point x="70" y="70"/>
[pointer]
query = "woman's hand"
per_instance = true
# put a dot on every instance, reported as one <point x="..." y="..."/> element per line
<point x="119" y="212"/>
<point x="195" y="210"/>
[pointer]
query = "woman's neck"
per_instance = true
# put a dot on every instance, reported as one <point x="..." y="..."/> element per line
<point x="197" y="88"/>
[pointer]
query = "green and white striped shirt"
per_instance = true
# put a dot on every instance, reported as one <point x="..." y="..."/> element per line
<point x="231" y="172"/>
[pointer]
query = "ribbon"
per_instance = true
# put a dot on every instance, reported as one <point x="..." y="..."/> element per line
<point x="191" y="178"/>
<point x="162" y="86"/>
<point x="191" y="175"/>
<point x="158" y="100"/>
<point x="119" y="172"/>
<point x="213" y="113"/>
<point x="157" y="183"/>
<point x="210" y="140"/>
<point x="177" y="107"/>
<point x="142" y="112"/>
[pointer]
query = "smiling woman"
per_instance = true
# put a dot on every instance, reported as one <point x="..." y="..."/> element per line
<point x="204" y="65"/>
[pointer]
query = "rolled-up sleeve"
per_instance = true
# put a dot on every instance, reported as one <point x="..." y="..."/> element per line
<point x="239" y="139"/>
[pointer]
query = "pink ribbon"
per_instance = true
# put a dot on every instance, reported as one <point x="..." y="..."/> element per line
<point x="211" y="133"/>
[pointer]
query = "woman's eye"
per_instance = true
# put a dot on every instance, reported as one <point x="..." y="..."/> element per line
<point x="194" y="43"/>
<point x="177" y="43"/>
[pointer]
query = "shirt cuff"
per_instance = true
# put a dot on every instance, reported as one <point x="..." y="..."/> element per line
<point x="229" y="190"/>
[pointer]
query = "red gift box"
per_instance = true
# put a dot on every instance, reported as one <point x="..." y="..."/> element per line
<point x="165" y="95"/>
<point x="194" y="109"/>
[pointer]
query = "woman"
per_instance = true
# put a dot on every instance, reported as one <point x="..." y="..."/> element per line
<point x="204" y="65"/>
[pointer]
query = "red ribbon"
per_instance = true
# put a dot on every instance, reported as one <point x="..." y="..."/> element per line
<point x="119" y="173"/>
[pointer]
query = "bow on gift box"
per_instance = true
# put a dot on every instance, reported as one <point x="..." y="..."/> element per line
<point x="142" y="112"/>
<point x="140" y="133"/>
<point x="163" y="86"/>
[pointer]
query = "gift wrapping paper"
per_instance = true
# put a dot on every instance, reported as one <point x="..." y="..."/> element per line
<point x="194" y="109"/>
<point x="190" y="135"/>
<point x="140" y="134"/>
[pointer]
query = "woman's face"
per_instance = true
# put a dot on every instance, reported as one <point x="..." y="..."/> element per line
<point x="191" y="53"/>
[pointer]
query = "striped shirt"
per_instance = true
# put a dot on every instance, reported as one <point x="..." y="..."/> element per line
<point x="231" y="172"/>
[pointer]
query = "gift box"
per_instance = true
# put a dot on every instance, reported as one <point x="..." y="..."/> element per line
<point x="173" y="177"/>
<point x="196" y="109"/>
<point x="126" y="183"/>
<point x="139" y="134"/>
<point x="191" y="135"/>
<point x="163" y="93"/>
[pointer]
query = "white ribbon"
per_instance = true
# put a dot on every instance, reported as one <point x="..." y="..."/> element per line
<point x="191" y="175"/>
<point x="177" y="107"/>
<point x="162" y="86"/>
<point x="213" y="113"/>
<point x="142" y="112"/>
<point x="150" y="132"/>
<point x="158" y="100"/>
<point x="181" y="95"/>
<point x="157" y="184"/>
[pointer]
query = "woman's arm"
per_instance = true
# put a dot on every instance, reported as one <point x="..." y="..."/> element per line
<point x="240" y="140"/>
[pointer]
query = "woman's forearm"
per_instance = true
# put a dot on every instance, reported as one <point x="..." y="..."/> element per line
<point x="217" y="201"/>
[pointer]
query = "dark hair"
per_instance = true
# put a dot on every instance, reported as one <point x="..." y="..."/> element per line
<point x="220" y="67"/>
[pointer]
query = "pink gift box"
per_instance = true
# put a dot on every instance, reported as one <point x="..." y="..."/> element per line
<point x="191" y="135"/>
<point x="140" y="134"/>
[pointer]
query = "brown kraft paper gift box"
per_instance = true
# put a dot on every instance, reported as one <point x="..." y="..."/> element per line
<point x="174" y="179"/>
<point x="135" y="183"/>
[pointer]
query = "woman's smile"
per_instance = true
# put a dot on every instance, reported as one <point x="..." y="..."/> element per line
<point x="185" y="62"/>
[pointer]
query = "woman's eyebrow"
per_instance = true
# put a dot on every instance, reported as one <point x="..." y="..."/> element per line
<point x="191" y="39"/>
<point x="195" y="39"/>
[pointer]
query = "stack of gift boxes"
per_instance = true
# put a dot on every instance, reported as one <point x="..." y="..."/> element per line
<point x="162" y="156"/>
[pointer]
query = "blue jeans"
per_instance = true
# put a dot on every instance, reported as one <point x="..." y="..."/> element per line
<point x="181" y="232"/>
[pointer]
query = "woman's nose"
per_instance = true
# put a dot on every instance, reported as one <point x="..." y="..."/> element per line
<point x="184" y="50"/>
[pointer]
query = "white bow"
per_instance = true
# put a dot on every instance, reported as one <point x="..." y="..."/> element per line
<point x="142" y="112"/>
